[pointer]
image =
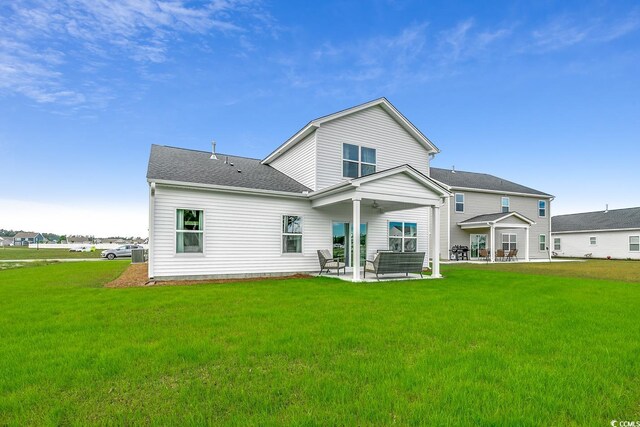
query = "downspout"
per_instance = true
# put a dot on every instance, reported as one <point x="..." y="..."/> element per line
<point x="550" y="242"/>
<point x="152" y="208"/>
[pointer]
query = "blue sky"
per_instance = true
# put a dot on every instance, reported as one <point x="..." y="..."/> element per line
<point x="546" y="94"/>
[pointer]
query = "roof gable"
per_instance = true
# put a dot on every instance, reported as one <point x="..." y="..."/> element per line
<point x="495" y="218"/>
<point x="380" y="102"/>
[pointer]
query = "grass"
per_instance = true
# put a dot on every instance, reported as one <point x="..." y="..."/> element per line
<point x="480" y="347"/>
<point x="18" y="252"/>
<point x="628" y="271"/>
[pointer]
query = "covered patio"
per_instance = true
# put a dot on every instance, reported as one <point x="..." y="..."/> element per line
<point x="503" y="220"/>
<point x="393" y="190"/>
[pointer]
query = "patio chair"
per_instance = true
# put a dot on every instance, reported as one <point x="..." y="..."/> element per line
<point x="513" y="255"/>
<point x="484" y="253"/>
<point x="327" y="262"/>
<point x="500" y="254"/>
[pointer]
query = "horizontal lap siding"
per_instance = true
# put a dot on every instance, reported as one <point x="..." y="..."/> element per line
<point x="372" y="128"/>
<point x="483" y="203"/>
<point x="608" y="243"/>
<point x="242" y="234"/>
<point x="300" y="162"/>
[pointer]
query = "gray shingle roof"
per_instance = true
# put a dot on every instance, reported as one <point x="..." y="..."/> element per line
<point x="180" y="164"/>
<point x="601" y="220"/>
<point x="491" y="217"/>
<point x="25" y="235"/>
<point x="480" y="181"/>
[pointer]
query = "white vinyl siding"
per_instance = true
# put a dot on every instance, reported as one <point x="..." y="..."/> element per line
<point x="300" y="162"/>
<point x="372" y="128"/>
<point x="258" y="249"/>
<point x="614" y="244"/>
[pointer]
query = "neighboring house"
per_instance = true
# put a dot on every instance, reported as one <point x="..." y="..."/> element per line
<point x="78" y="239"/>
<point x="25" y="238"/>
<point x="484" y="209"/>
<point x="354" y="182"/>
<point x="610" y="233"/>
<point x="6" y="241"/>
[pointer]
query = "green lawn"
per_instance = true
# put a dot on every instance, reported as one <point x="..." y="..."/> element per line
<point x="18" y="252"/>
<point x="477" y="348"/>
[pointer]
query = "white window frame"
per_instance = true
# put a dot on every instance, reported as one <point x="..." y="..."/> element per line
<point x="634" y="250"/>
<point x="403" y="237"/>
<point x="502" y="204"/>
<point x="176" y="231"/>
<point x="359" y="162"/>
<point x="558" y="246"/>
<point x="282" y="234"/>
<point x="545" y="208"/>
<point x="593" y="240"/>
<point x="542" y="240"/>
<point x="455" y="202"/>
<point x="510" y="241"/>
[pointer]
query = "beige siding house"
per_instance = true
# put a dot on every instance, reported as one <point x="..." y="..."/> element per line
<point x="353" y="182"/>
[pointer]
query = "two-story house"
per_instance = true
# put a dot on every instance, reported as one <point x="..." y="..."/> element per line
<point x="353" y="182"/>
<point x="25" y="238"/>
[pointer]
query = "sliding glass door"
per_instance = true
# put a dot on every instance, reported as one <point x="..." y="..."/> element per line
<point x="343" y="242"/>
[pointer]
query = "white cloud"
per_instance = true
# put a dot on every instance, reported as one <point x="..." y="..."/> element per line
<point x="88" y="218"/>
<point x="41" y="40"/>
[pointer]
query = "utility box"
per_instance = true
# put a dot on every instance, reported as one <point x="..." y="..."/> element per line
<point x="137" y="256"/>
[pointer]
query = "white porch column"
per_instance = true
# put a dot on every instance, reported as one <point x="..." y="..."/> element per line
<point x="435" y="270"/>
<point x="526" y="248"/>
<point x="355" y="261"/>
<point x="494" y="247"/>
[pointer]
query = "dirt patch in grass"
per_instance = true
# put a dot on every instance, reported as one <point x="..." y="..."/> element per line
<point x="136" y="275"/>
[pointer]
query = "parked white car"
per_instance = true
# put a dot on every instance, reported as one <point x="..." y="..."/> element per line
<point x="119" y="252"/>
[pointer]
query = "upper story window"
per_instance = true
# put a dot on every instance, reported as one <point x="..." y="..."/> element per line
<point x="542" y="208"/>
<point x="358" y="161"/>
<point x="634" y="243"/>
<point x="189" y="231"/>
<point x="459" y="202"/>
<point x="291" y="234"/>
<point x="505" y="204"/>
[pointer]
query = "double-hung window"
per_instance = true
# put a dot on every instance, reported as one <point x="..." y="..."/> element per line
<point x="509" y="241"/>
<point x="542" y="242"/>
<point x="557" y="244"/>
<point x="593" y="240"/>
<point x="358" y="161"/>
<point x="459" y="199"/>
<point x="403" y="236"/>
<point x="542" y="208"/>
<point x="189" y="231"/>
<point x="634" y="243"/>
<point x="291" y="234"/>
<point x="505" y="204"/>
